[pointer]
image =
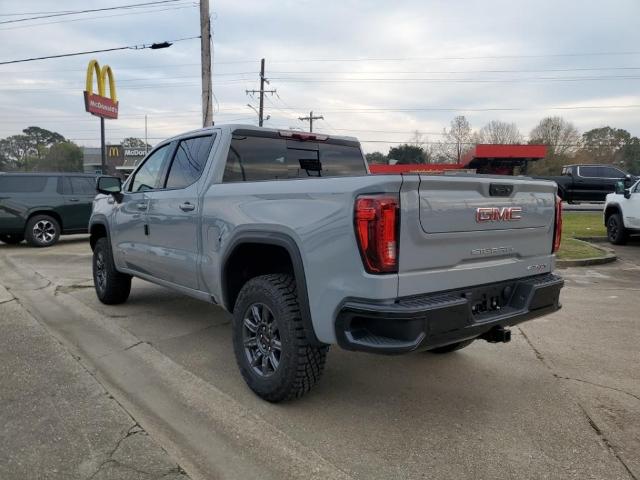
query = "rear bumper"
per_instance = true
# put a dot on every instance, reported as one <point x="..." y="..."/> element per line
<point x="428" y="321"/>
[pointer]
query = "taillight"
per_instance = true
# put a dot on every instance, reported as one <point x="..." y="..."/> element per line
<point x="557" y="227"/>
<point x="376" y="224"/>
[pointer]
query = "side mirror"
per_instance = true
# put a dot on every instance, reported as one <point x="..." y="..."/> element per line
<point x="109" y="185"/>
<point x="627" y="193"/>
<point x="628" y="181"/>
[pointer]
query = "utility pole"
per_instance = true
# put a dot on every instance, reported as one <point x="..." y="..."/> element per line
<point x="146" y="145"/>
<point x="205" y="64"/>
<point x="310" y="119"/>
<point x="262" y="91"/>
<point x="103" y="149"/>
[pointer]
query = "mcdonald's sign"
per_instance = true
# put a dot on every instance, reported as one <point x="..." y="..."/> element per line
<point x="114" y="151"/>
<point x="99" y="104"/>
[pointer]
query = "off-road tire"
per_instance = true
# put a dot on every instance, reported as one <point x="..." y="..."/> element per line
<point x="42" y="231"/>
<point x="616" y="233"/>
<point x="300" y="364"/>
<point x="452" y="347"/>
<point x="112" y="287"/>
<point x="11" y="238"/>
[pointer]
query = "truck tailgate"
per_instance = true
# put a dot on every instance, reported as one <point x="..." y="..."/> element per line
<point x="458" y="231"/>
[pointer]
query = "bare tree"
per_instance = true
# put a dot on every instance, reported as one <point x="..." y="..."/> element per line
<point x="421" y="140"/>
<point x="457" y="139"/>
<point x="498" y="132"/>
<point x="559" y="135"/>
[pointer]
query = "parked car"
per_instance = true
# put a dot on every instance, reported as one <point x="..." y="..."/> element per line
<point x="588" y="183"/>
<point x="622" y="213"/>
<point x="39" y="207"/>
<point x="287" y="231"/>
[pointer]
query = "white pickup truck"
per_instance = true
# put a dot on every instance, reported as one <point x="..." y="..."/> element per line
<point x="622" y="213"/>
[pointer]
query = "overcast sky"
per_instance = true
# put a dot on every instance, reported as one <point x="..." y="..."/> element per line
<point x="367" y="66"/>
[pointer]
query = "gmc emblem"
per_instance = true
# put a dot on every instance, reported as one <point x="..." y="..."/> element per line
<point x="496" y="214"/>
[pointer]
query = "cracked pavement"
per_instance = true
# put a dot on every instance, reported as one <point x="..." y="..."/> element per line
<point x="561" y="401"/>
<point x="56" y="420"/>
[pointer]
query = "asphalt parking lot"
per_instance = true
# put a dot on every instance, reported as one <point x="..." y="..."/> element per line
<point x="562" y="400"/>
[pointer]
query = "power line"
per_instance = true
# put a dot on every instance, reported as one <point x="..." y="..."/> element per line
<point x="148" y="10"/>
<point x="456" y="80"/>
<point x="130" y="47"/>
<point x="77" y="12"/>
<point x="479" y="57"/>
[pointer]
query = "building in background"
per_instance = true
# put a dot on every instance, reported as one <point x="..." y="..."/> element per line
<point x="120" y="160"/>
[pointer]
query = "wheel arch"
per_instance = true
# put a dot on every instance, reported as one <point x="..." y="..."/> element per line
<point x="610" y="210"/>
<point x="97" y="230"/>
<point x="43" y="211"/>
<point x="243" y="247"/>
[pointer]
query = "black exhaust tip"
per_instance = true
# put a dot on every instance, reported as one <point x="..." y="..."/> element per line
<point x="497" y="335"/>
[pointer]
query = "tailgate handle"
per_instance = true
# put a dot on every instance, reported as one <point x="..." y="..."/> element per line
<point x="500" y="190"/>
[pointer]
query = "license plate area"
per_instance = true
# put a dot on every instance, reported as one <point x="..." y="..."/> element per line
<point x="491" y="300"/>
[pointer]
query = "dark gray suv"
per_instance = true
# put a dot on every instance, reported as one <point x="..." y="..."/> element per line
<point x="39" y="207"/>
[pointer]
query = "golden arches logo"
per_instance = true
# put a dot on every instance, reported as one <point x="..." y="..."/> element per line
<point x="101" y="75"/>
<point x="97" y="103"/>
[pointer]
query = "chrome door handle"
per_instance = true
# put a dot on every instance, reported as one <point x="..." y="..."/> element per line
<point x="142" y="206"/>
<point x="74" y="199"/>
<point x="187" y="207"/>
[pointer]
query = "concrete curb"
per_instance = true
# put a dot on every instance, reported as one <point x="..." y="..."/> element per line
<point x="608" y="257"/>
<point x="599" y="239"/>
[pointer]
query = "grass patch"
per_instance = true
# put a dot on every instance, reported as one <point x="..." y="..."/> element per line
<point x="587" y="224"/>
<point x="583" y="224"/>
<point x="572" y="249"/>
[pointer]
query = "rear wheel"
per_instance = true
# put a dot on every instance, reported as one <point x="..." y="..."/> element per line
<point x="275" y="358"/>
<point x="11" y="238"/>
<point x="112" y="287"/>
<point x="616" y="233"/>
<point x="42" y="231"/>
<point x="452" y="347"/>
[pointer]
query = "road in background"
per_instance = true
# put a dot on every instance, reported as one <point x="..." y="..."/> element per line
<point x="562" y="400"/>
<point x="582" y="207"/>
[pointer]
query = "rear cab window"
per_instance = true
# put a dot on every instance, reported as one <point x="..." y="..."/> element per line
<point x="258" y="155"/>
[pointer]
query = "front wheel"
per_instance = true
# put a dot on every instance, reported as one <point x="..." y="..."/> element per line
<point x="275" y="358"/>
<point x="112" y="287"/>
<point x="616" y="233"/>
<point x="11" y="238"/>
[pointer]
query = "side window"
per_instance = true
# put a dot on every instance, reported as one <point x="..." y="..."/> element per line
<point x="189" y="161"/>
<point x="22" y="184"/>
<point x="611" y="172"/>
<point x="255" y="158"/>
<point x="590" y="172"/>
<point x="64" y="187"/>
<point x="83" y="185"/>
<point x="148" y="176"/>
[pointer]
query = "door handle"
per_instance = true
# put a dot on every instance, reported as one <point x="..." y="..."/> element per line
<point x="187" y="207"/>
<point x="74" y="199"/>
<point x="142" y="206"/>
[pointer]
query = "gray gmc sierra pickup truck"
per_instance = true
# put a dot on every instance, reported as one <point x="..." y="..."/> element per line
<point x="289" y="232"/>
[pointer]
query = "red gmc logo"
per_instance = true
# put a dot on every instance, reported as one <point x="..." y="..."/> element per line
<point x="496" y="214"/>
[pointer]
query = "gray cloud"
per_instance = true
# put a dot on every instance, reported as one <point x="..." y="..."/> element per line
<point x="438" y="42"/>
